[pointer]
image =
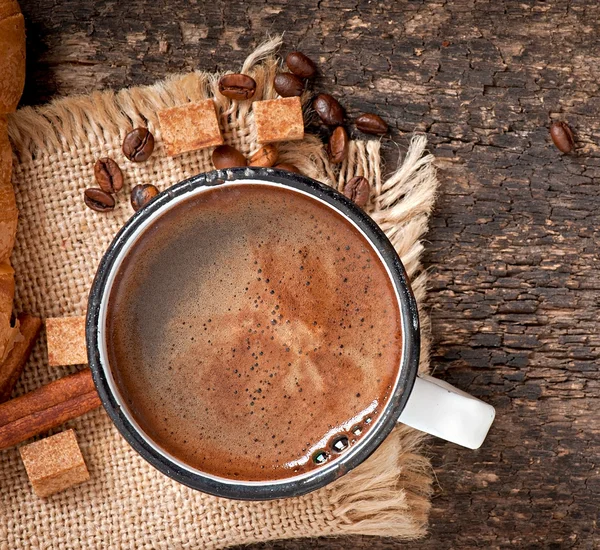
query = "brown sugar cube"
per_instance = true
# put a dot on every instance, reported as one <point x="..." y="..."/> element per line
<point x="54" y="464"/>
<point x="278" y="119"/>
<point x="66" y="341"/>
<point x="190" y="127"/>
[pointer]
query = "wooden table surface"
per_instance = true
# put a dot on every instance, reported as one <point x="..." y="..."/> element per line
<point x="513" y="249"/>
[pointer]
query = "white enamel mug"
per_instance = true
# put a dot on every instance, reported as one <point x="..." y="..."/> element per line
<point x="420" y="401"/>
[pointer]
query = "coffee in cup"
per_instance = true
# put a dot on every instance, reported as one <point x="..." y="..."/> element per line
<point x="253" y="332"/>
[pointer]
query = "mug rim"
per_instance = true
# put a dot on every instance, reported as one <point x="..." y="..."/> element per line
<point x="239" y="489"/>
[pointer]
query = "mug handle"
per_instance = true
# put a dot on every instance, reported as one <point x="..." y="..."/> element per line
<point x="439" y="409"/>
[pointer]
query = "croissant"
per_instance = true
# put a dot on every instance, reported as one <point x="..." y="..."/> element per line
<point x="12" y="80"/>
<point x="9" y="333"/>
<point x="12" y="55"/>
<point x="8" y="205"/>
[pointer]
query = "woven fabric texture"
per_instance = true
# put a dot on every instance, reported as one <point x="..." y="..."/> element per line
<point x="127" y="503"/>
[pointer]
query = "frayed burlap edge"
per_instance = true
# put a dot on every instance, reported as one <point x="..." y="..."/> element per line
<point x="388" y="494"/>
<point x="393" y="499"/>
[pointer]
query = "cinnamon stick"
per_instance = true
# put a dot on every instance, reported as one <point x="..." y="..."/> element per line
<point x="47" y="407"/>
<point x="13" y="366"/>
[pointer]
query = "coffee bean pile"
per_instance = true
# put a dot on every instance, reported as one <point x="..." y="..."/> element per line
<point x="331" y="113"/>
<point x="110" y="181"/>
<point x="294" y="83"/>
<point x="289" y="84"/>
<point x="241" y="87"/>
<point x="138" y="144"/>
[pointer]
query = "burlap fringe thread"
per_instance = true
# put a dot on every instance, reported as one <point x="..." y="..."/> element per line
<point x="389" y="494"/>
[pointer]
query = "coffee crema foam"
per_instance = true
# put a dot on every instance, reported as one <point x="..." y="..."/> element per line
<point x="253" y="333"/>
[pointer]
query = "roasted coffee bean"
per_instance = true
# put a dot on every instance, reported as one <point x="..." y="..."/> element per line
<point x="300" y="65"/>
<point x="98" y="200"/>
<point x="237" y="86"/>
<point x="329" y="110"/>
<point x="357" y="190"/>
<point x="142" y="194"/>
<point x="370" y="123"/>
<point x="288" y="85"/>
<point x="138" y="145"/>
<point x="225" y="156"/>
<point x="266" y="156"/>
<point x="108" y="175"/>
<point x="562" y="136"/>
<point x="338" y="145"/>
<point x="287" y="166"/>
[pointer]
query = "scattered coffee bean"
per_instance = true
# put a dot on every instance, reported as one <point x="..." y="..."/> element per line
<point x="108" y="175"/>
<point x="237" y="86"/>
<point x="225" y="156"/>
<point x="98" y="200"/>
<point x="138" y="145"/>
<point x="370" y="123"/>
<point x="287" y="166"/>
<point x="562" y="136"/>
<point x="329" y="110"/>
<point x="338" y="145"/>
<point x="358" y="190"/>
<point x="266" y="156"/>
<point x="288" y="85"/>
<point x="142" y="194"/>
<point x="300" y="65"/>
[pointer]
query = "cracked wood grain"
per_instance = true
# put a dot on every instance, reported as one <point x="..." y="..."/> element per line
<point x="513" y="249"/>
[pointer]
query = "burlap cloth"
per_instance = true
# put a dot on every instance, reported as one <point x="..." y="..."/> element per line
<point x="127" y="503"/>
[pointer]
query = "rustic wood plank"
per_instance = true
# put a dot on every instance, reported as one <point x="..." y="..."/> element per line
<point x="515" y="283"/>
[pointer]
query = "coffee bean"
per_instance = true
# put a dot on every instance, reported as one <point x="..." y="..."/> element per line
<point x="300" y="65"/>
<point x="357" y="190"/>
<point x="138" y="145"/>
<point x="338" y="145"/>
<point x="329" y="110"/>
<point x="108" y="175"/>
<point x="225" y="156"/>
<point x="562" y="136"/>
<point x="237" y="86"/>
<point x="98" y="200"/>
<point x="288" y="167"/>
<point x="370" y="123"/>
<point x="266" y="156"/>
<point x="288" y="85"/>
<point x="142" y="194"/>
